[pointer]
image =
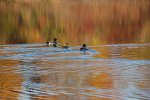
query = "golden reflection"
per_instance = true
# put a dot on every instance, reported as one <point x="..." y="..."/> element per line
<point x="136" y="53"/>
<point x="8" y="62"/>
<point x="9" y="82"/>
<point x="104" y="52"/>
<point x="103" y="80"/>
<point x="96" y="98"/>
<point x="143" y="85"/>
<point x="45" y="98"/>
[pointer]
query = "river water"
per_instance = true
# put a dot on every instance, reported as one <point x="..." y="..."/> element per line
<point x="104" y="72"/>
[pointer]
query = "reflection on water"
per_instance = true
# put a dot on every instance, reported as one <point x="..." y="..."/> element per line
<point x="106" y="72"/>
<point x="9" y="80"/>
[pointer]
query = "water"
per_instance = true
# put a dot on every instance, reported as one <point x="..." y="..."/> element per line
<point x="105" y="72"/>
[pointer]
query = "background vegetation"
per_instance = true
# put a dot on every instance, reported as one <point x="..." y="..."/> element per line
<point x="76" y="21"/>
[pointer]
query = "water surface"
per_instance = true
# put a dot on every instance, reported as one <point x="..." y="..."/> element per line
<point x="105" y="72"/>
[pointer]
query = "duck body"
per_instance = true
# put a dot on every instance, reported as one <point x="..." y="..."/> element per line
<point x="48" y="43"/>
<point x="54" y="43"/>
<point x="83" y="49"/>
<point x="65" y="47"/>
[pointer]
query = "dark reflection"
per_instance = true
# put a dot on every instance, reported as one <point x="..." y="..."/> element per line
<point x="36" y="79"/>
<point x="16" y="38"/>
<point x="32" y="81"/>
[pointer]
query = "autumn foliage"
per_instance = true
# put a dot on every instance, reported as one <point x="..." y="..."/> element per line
<point x="111" y="21"/>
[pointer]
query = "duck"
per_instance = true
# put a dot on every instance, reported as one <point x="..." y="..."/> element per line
<point x="65" y="46"/>
<point x="54" y="43"/>
<point x="48" y="43"/>
<point x="84" y="47"/>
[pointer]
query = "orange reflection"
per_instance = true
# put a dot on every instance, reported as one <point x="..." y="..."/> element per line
<point x="96" y="98"/>
<point x="9" y="82"/>
<point x="103" y="80"/>
<point x="104" y="52"/>
<point x="45" y="97"/>
<point x="136" y="53"/>
<point x="143" y="85"/>
<point x="8" y="62"/>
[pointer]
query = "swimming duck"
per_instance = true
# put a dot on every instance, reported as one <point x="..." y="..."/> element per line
<point x="55" y="42"/>
<point x="83" y="48"/>
<point x="65" y="46"/>
<point x="48" y="43"/>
